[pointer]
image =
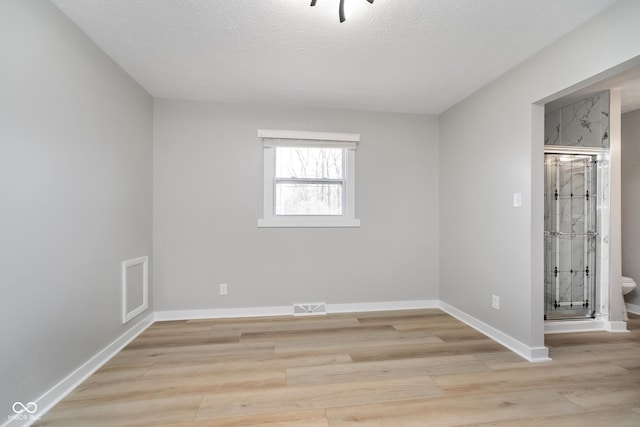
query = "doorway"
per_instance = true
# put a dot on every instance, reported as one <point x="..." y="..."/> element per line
<point x="571" y="234"/>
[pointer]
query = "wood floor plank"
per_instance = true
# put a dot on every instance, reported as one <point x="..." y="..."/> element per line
<point x="426" y="325"/>
<point x="177" y="327"/>
<point x="181" y="340"/>
<point x="314" y="418"/>
<point x="393" y="313"/>
<point x="632" y="364"/>
<point x="166" y="386"/>
<point x="129" y="413"/>
<point x="117" y="375"/>
<point x="391" y="318"/>
<point x="453" y="335"/>
<point x="351" y="372"/>
<point x="347" y="343"/>
<point x="613" y="418"/>
<point x="584" y="338"/>
<point x="615" y="353"/>
<point x="352" y="331"/>
<point x="458" y="411"/>
<point x="502" y="360"/>
<point x="435" y="349"/>
<point x="193" y="353"/>
<point x="287" y="323"/>
<point x="400" y="368"/>
<point x="264" y="362"/>
<point x="535" y="377"/>
<point x="606" y="395"/>
<point x="293" y="398"/>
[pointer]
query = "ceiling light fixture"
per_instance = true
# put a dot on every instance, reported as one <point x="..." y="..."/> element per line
<point x="340" y="9"/>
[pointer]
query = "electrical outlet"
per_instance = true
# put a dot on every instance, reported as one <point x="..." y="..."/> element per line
<point x="495" y="302"/>
<point x="223" y="289"/>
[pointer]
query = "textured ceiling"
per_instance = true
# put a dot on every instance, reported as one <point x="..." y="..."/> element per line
<point x="419" y="56"/>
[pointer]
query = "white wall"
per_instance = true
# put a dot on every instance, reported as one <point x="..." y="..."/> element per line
<point x="75" y="196"/>
<point x="631" y="200"/>
<point x="208" y="198"/>
<point x="496" y="137"/>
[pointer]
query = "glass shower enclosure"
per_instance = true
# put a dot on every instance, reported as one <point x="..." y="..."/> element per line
<point x="570" y="235"/>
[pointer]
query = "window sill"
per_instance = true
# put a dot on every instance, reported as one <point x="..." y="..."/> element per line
<point x="308" y="223"/>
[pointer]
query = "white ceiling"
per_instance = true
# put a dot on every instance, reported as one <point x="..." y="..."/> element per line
<point x="418" y="56"/>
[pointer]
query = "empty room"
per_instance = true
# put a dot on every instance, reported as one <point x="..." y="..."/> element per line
<point x="319" y="213"/>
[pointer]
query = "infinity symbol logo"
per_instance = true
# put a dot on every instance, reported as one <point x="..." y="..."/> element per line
<point x="30" y="407"/>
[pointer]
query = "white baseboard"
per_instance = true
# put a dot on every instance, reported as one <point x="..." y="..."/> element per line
<point x="569" y="326"/>
<point x="224" y="313"/>
<point x="633" y="308"/>
<point x="58" y="392"/>
<point x="620" y="326"/>
<point x="382" y="306"/>
<point x="532" y="354"/>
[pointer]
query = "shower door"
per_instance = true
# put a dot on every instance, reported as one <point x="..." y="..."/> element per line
<point x="570" y="236"/>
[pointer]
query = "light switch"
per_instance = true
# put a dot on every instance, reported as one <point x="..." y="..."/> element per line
<point x="517" y="200"/>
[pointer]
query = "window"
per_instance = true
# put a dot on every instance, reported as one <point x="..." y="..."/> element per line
<point x="308" y="179"/>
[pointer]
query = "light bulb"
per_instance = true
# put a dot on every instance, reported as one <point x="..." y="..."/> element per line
<point x="348" y="9"/>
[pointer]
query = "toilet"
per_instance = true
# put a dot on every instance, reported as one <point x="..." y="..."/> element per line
<point x="628" y="285"/>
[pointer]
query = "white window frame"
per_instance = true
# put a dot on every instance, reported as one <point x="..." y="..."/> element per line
<point x="288" y="138"/>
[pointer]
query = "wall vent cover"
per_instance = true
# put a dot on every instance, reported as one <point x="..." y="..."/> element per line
<point x="310" y="309"/>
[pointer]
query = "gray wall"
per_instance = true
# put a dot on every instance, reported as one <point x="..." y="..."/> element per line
<point x="496" y="137"/>
<point x="631" y="200"/>
<point x="76" y="188"/>
<point x="208" y="198"/>
<point x="75" y="195"/>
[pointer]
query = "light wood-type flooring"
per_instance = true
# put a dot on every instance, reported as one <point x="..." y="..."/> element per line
<point x="402" y="368"/>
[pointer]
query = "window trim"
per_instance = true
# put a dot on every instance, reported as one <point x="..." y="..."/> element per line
<point x="274" y="138"/>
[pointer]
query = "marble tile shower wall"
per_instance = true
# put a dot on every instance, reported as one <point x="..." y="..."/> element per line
<point x="582" y="124"/>
<point x="570" y="242"/>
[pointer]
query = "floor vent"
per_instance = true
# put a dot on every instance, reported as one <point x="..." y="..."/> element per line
<point x="310" y="309"/>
